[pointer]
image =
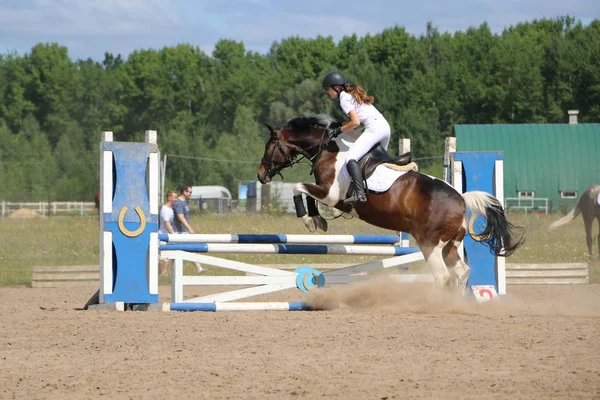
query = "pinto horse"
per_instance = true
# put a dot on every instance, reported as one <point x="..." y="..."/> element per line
<point x="427" y="208"/>
<point x="589" y="208"/>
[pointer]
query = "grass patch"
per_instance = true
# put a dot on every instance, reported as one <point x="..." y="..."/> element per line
<point x="74" y="241"/>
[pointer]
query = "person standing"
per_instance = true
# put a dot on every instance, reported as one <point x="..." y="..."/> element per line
<point x="181" y="209"/>
<point x="165" y="226"/>
<point x="181" y="223"/>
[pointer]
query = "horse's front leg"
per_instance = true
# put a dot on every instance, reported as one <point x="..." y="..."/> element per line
<point x="313" y="212"/>
<point x="312" y="220"/>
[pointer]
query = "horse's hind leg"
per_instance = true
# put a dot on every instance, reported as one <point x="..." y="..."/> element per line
<point x="460" y="269"/>
<point x="435" y="259"/>
<point x="598" y="238"/>
<point x="587" y="223"/>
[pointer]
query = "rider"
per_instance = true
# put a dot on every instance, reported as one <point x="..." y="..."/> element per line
<point x="358" y="105"/>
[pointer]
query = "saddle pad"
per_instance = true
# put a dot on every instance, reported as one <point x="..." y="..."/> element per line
<point x="381" y="180"/>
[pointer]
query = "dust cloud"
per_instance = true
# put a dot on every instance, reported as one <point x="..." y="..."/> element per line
<point x="392" y="296"/>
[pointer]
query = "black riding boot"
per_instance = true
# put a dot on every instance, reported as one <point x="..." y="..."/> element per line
<point x="357" y="180"/>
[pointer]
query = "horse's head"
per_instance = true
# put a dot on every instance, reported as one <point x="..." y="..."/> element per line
<point x="279" y="154"/>
<point x="301" y="136"/>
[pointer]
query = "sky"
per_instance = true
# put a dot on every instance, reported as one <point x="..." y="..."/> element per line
<point x="89" y="28"/>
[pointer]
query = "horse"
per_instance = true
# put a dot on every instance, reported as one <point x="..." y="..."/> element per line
<point x="589" y="208"/>
<point x="427" y="208"/>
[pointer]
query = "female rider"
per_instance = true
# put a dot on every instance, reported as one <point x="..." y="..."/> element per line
<point x="358" y="105"/>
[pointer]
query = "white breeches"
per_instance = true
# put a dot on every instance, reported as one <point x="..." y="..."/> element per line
<point x="377" y="131"/>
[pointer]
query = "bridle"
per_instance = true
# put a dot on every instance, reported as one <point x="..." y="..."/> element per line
<point x="289" y="160"/>
<point x="272" y="169"/>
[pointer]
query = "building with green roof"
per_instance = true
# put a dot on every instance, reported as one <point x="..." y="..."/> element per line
<point x="546" y="166"/>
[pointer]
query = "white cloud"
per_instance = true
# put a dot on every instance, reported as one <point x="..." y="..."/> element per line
<point x="91" y="27"/>
<point x="88" y="18"/>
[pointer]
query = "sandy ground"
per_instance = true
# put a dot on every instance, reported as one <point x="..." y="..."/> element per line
<point x="394" y="342"/>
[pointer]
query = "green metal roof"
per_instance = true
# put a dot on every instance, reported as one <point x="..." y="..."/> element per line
<point x="545" y="158"/>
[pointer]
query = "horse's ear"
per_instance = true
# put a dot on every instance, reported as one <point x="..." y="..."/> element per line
<point x="271" y="129"/>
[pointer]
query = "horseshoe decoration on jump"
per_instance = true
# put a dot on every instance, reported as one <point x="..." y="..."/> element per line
<point x="470" y="227"/>
<point x="304" y="279"/>
<point x="305" y="283"/>
<point x="126" y="231"/>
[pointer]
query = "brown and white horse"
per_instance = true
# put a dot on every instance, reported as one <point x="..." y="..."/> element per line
<point x="427" y="208"/>
<point x="589" y="208"/>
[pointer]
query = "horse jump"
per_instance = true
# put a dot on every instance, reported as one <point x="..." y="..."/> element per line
<point x="129" y="208"/>
<point x="268" y="280"/>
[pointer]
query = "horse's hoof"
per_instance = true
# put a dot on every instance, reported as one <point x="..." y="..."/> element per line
<point x="321" y="223"/>
<point x="310" y="223"/>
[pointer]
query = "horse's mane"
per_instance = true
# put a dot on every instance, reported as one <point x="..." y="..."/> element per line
<point x="302" y="124"/>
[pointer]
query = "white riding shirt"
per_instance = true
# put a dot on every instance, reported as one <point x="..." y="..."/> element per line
<point x="377" y="129"/>
<point x="364" y="111"/>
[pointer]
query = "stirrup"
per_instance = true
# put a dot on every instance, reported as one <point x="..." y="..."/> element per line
<point x="355" y="199"/>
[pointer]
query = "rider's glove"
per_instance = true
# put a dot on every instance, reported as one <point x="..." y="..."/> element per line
<point x="333" y="133"/>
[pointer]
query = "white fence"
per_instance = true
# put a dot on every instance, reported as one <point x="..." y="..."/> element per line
<point x="526" y="204"/>
<point x="81" y="208"/>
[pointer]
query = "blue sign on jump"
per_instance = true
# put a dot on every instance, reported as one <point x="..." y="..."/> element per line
<point x="479" y="174"/>
<point x="130" y="222"/>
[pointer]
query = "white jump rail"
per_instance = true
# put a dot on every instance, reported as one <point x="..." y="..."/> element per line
<point x="268" y="280"/>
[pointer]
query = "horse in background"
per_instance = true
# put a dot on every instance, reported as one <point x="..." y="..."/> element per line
<point x="589" y="208"/>
<point x="427" y="208"/>
<point x="97" y="199"/>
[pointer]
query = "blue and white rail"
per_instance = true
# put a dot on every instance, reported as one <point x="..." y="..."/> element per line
<point x="247" y="248"/>
<point x="280" y="239"/>
<point x="254" y="306"/>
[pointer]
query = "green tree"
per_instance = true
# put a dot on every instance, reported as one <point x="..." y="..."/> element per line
<point x="15" y="104"/>
<point x="41" y="168"/>
<point x="15" y="159"/>
<point x="51" y="87"/>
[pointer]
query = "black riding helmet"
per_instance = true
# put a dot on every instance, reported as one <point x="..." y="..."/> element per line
<point x="334" y="79"/>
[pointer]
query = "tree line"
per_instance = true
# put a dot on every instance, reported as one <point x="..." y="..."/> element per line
<point x="209" y="110"/>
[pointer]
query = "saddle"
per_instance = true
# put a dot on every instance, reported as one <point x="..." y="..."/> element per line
<point x="377" y="155"/>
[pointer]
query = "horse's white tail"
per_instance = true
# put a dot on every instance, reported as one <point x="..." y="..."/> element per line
<point x="499" y="233"/>
<point x="479" y="202"/>
<point x="567" y="218"/>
